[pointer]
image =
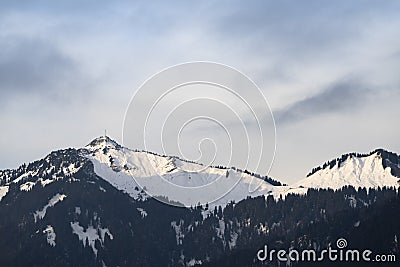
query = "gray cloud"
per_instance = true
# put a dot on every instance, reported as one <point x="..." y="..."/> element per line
<point x="32" y="66"/>
<point x="302" y="27"/>
<point x="342" y="96"/>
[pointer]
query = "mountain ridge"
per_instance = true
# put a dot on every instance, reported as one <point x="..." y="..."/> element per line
<point x="343" y="157"/>
<point x="110" y="161"/>
<point x="266" y="178"/>
<point x="379" y="168"/>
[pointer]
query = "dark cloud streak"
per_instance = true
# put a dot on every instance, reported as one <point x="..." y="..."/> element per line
<point x="342" y="96"/>
<point x="301" y="30"/>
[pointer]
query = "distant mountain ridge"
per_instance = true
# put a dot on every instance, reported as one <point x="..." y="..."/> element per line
<point x="379" y="168"/>
<point x="392" y="160"/>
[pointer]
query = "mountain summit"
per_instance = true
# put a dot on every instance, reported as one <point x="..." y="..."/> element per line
<point x="170" y="177"/>
<point x="379" y="168"/>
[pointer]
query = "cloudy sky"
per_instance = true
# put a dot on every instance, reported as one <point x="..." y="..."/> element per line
<point x="330" y="71"/>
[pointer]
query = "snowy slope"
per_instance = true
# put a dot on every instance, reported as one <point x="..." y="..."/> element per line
<point x="39" y="214"/>
<point x="3" y="191"/>
<point x="185" y="182"/>
<point x="376" y="169"/>
<point x="58" y="165"/>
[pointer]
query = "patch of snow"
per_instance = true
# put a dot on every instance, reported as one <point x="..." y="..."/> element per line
<point x="103" y="232"/>
<point x="26" y="186"/>
<point x="247" y="223"/>
<point x="24" y="175"/>
<point x="178" y="231"/>
<point x="220" y="229"/>
<point x="232" y="241"/>
<point x="78" y="210"/>
<point x="39" y="214"/>
<point x="275" y="225"/>
<point x="90" y="235"/>
<point x="193" y="262"/>
<point x="3" y="191"/>
<point x="71" y="169"/>
<point x="72" y="179"/>
<point x="289" y="190"/>
<point x="46" y="182"/>
<point x="51" y="235"/>
<point x="143" y="213"/>
<point x="352" y="201"/>
<point x="262" y="229"/>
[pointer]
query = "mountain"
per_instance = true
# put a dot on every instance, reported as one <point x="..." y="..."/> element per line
<point x="131" y="170"/>
<point x="88" y="207"/>
<point x="181" y="181"/>
<point x="379" y="168"/>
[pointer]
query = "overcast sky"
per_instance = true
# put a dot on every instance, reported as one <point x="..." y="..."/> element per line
<point x="330" y="70"/>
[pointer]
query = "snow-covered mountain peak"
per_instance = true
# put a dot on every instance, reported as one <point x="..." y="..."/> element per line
<point x="379" y="168"/>
<point x="388" y="159"/>
<point x="102" y="142"/>
<point x="179" y="180"/>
